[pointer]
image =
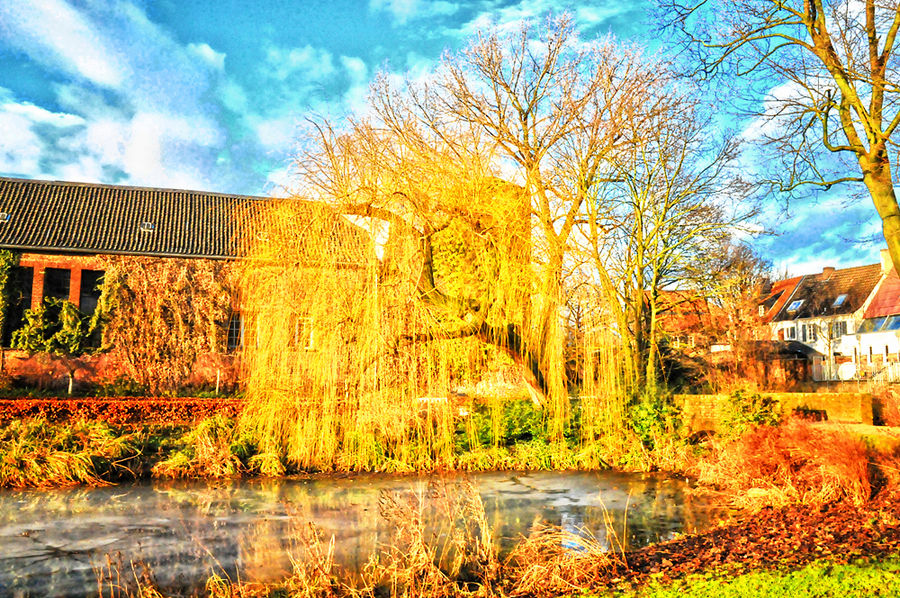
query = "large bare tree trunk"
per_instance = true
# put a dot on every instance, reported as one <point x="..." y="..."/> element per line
<point x="877" y="177"/>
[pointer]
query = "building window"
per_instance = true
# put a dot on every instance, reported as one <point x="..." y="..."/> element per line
<point x="235" y="337"/>
<point x="803" y="333"/>
<point x="303" y="334"/>
<point x="838" y="329"/>
<point x="56" y="283"/>
<point x="795" y="305"/>
<point x="791" y="333"/>
<point x="840" y="300"/>
<point x="813" y="335"/>
<point x="90" y="290"/>
<point x="761" y="310"/>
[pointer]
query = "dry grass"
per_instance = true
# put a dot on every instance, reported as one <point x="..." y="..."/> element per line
<point x="886" y="406"/>
<point x="795" y="462"/>
<point x="136" y="582"/>
<point x="453" y="555"/>
<point x="35" y="453"/>
<point x="552" y="561"/>
<point x="205" y="452"/>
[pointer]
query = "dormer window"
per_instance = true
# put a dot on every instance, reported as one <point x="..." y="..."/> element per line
<point x="795" y="305"/>
<point x="4" y="217"/>
<point x="761" y="310"/>
<point x="147" y="227"/>
<point x="840" y="300"/>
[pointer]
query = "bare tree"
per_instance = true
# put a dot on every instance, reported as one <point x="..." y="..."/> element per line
<point x="539" y="108"/>
<point x="675" y="195"/>
<point x="837" y="84"/>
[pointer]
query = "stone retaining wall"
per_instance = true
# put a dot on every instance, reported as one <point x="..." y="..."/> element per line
<point x="705" y="412"/>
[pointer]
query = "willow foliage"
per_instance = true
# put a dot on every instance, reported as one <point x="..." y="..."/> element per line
<point x="456" y="230"/>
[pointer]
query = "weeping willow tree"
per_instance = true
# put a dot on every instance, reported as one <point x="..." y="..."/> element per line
<point x="442" y="240"/>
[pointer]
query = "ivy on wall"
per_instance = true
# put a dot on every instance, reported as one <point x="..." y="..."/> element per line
<point x="8" y="259"/>
<point x="160" y="315"/>
<point x="60" y="330"/>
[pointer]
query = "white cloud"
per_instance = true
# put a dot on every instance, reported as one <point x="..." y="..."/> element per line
<point x="20" y="146"/>
<point x="276" y="134"/>
<point x="234" y="97"/>
<point x="36" y="114"/>
<point x="357" y="94"/>
<point x="308" y="61"/>
<point x="151" y="123"/>
<point x="406" y="10"/>
<point x="596" y="15"/>
<point x="59" y="36"/>
<point x="213" y="58"/>
<point x="280" y="182"/>
<point x="401" y="10"/>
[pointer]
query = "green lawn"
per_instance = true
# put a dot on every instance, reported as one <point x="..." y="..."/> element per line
<point x="879" y="578"/>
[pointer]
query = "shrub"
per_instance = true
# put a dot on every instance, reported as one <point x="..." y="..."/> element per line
<point x="654" y="418"/>
<point x="745" y="410"/>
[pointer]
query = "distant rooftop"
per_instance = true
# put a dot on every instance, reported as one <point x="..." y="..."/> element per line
<point x="832" y="292"/>
<point x="65" y="217"/>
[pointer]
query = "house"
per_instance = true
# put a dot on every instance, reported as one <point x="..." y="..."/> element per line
<point x="876" y="341"/>
<point x="60" y="231"/>
<point x="828" y="312"/>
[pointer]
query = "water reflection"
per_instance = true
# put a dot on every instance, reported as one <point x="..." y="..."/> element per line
<point x="50" y="542"/>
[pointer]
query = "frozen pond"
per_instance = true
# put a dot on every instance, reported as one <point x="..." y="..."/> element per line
<point x="52" y="542"/>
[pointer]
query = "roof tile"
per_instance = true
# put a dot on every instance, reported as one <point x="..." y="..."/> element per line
<point x="91" y="218"/>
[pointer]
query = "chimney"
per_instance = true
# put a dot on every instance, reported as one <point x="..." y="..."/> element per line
<point x="886" y="264"/>
<point x="827" y="271"/>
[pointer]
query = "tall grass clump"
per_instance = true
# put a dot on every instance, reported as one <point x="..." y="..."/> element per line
<point x="795" y="462"/>
<point x="210" y="449"/>
<point x="35" y="453"/>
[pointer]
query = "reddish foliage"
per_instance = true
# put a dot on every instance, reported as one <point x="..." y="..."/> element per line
<point x="886" y="407"/>
<point x="137" y="410"/>
<point x="793" y="462"/>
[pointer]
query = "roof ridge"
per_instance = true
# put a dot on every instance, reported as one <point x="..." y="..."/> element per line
<point x="836" y="270"/>
<point x="135" y="187"/>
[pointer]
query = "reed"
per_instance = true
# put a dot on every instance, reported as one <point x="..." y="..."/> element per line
<point x="455" y="555"/>
<point x="795" y="462"/>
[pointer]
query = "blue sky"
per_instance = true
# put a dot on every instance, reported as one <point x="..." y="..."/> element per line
<point x="208" y="95"/>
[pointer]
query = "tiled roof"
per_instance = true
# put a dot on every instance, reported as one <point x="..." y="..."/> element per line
<point x="686" y="311"/>
<point x="778" y="295"/>
<point x="87" y="218"/>
<point x="886" y="301"/>
<point x="820" y="292"/>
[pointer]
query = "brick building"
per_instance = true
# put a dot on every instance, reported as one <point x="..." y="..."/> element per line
<point x="59" y="232"/>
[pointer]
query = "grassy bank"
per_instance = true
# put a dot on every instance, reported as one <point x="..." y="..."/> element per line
<point x="794" y="462"/>
<point x="811" y="500"/>
<point x="46" y="452"/>
<point x="862" y="578"/>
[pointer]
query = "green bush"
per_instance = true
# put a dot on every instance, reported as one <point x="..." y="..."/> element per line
<point x="746" y="409"/>
<point x="654" y="417"/>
